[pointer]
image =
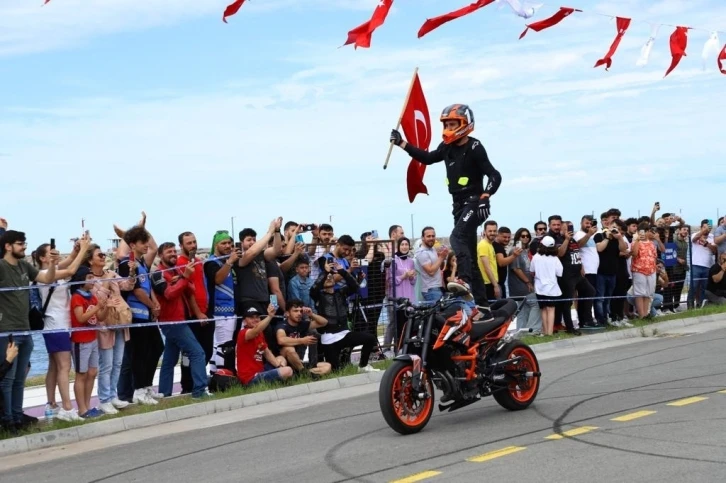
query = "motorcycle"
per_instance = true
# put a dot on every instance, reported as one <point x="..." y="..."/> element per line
<point x="466" y="360"/>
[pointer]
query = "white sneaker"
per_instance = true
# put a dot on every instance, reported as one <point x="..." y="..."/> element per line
<point x="368" y="368"/>
<point x="108" y="408"/>
<point x="141" y="397"/>
<point x="153" y="394"/>
<point x="69" y="416"/>
<point x="624" y="323"/>
<point x="54" y="410"/>
<point x="119" y="404"/>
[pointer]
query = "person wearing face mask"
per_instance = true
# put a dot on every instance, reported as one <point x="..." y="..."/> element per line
<point x="401" y="283"/>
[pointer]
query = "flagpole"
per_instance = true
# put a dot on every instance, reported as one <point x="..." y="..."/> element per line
<point x="403" y="111"/>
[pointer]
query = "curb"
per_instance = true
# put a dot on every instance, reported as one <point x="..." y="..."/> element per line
<point x="622" y="334"/>
<point x="98" y="429"/>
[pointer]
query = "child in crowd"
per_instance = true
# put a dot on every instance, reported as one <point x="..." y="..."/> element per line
<point x="85" y="311"/>
<point x="546" y="267"/>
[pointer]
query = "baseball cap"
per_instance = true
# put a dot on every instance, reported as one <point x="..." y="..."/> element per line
<point x="548" y="241"/>
<point x="251" y="312"/>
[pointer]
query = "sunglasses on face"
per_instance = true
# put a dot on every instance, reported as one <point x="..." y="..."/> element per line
<point x="541" y="229"/>
<point x="101" y="255"/>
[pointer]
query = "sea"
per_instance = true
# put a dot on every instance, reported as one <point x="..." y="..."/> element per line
<point x="39" y="357"/>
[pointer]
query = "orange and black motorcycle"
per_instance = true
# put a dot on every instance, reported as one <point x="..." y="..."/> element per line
<point x="466" y="360"/>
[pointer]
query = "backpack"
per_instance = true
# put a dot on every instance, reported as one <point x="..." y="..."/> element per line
<point x="36" y="316"/>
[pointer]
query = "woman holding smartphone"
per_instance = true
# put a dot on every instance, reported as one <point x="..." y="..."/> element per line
<point x="57" y="301"/>
<point x="644" y="254"/>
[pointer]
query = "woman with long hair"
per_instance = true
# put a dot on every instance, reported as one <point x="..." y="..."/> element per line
<point x="521" y="284"/>
<point x="546" y="268"/>
<point x="372" y="255"/>
<point x="58" y="317"/>
<point x="110" y="342"/>
<point x="402" y="275"/>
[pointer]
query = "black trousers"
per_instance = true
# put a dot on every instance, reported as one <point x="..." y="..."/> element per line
<point x="463" y="242"/>
<point x="205" y="336"/>
<point x="351" y="339"/>
<point x="569" y="284"/>
<point x="672" y="298"/>
<point x="617" y="305"/>
<point x="147" y="349"/>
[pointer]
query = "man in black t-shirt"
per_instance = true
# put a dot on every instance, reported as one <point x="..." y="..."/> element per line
<point x="607" y="271"/>
<point x="296" y="333"/>
<point x="572" y="278"/>
<point x="716" y="285"/>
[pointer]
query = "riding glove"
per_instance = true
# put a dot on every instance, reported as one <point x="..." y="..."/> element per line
<point x="396" y="137"/>
<point x="484" y="210"/>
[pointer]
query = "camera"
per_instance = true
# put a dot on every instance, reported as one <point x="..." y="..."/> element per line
<point x="308" y="227"/>
<point x="614" y="231"/>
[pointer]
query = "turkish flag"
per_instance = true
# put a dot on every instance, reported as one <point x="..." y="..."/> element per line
<point x="436" y="22"/>
<point x="622" y="25"/>
<point x="546" y="23"/>
<point x="678" y="44"/>
<point x="721" y="59"/>
<point x="361" y="35"/>
<point x="416" y="124"/>
<point x="232" y="9"/>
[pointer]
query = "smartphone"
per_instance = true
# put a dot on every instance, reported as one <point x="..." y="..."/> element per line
<point x="309" y="227"/>
<point x="374" y="233"/>
<point x="132" y="256"/>
<point x="273" y="300"/>
<point x="238" y="246"/>
<point x="570" y="228"/>
<point x="518" y="245"/>
<point x="52" y="243"/>
<point x="10" y="338"/>
<point x="710" y="222"/>
<point x="299" y="238"/>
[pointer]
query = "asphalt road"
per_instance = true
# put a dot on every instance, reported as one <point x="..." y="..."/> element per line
<point x="652" y="411"/>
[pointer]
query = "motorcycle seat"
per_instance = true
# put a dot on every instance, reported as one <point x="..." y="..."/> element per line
<point x="502" y="310"/>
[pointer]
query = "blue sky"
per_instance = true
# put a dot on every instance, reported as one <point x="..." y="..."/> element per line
<point x="110" y="107"/>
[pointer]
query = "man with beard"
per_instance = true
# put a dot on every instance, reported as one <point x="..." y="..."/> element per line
<point x="221" y="287"/>
<point x="16" y="273"/>
<point x="196" y="306"/>
<point x="172" y="285"/>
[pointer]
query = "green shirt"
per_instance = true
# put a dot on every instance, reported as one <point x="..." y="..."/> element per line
<point x="15" y="304"/>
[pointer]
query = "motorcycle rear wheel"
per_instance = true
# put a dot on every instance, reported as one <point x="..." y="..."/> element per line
<point x="520" y="395"/>
<point x="403" y="412"/>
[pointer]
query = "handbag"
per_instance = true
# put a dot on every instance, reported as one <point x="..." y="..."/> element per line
<point x="36" y="316"/>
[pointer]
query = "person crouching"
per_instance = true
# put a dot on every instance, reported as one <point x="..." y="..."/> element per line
<point x="255" y="361"/>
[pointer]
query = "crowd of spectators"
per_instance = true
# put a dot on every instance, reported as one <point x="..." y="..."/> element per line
<point x="269" y="307"/>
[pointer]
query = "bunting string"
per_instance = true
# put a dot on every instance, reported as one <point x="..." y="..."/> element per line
<point x="361" y="36"/>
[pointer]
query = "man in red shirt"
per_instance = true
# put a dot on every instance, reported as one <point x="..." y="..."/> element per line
<point x="172" y="285"/>
<point x="255" y="361"/>
<point x="196" y="307"/>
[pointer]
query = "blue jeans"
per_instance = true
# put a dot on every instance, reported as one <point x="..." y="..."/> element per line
<point x="432" y="295"/>
<point x="109" y="369"/>
<point x="655" y="304"/>
<point x="698" y="288"/>
<point x="180" y="338"/>
<point x="604" y="289"/>
<point x="13" y="385"/>
<point x="530" y="315"/>
<point x="268" y="374"/>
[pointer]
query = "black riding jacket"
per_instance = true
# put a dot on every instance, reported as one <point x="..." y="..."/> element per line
<point x="466" y="166"/>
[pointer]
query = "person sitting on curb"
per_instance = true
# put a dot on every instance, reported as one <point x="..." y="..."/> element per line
<point x="255" y="361"/>
<point x="295" y="333"/>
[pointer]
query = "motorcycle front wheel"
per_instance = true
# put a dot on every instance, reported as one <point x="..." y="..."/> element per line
<point x="403" y="411"/>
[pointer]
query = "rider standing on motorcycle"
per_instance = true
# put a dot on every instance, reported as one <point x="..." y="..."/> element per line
<point x="466" y="165"/>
